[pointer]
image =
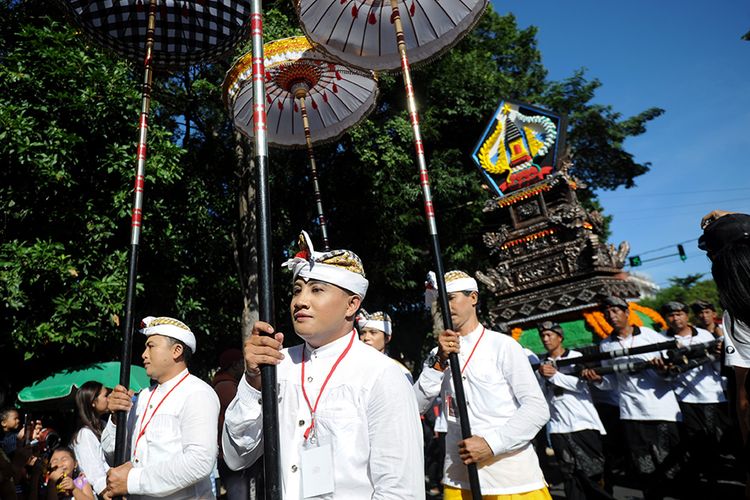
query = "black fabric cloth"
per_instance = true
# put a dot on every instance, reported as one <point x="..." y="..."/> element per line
<point x="703" y="427"/>
<point x="704" y="421"/>
<point x="614" y="442"/>
<point x="581" y="460"/>
<point x="653" y="446"/>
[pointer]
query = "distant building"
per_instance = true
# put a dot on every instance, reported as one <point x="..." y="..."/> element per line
<point x="646" y="287"/>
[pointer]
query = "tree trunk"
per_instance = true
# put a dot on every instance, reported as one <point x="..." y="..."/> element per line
<point x="246" y="255"/>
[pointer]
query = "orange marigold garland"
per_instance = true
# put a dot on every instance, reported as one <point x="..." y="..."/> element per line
<point x="595" y="319"/>
<point x="652" y="315"/>
<point x="516" y="334"/>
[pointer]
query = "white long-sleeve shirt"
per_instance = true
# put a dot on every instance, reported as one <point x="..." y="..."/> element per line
<point x="645" y="395"/>
<point x="701" y="384"/>
<point x="505" y="405"/>
<point x="367" y="411"/>
<point x="736" y="342"/>
<point x="91" y="459"/>
<point x="178" y="449"/>
<point x="569" y="398"/>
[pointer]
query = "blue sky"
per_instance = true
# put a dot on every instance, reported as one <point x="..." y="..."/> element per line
<point x="684" y="57"/>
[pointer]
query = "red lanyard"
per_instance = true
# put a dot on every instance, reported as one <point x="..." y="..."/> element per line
<point x="143" y="428"/>
<point x="312" y="408"/>
<point x="472" y="351"/>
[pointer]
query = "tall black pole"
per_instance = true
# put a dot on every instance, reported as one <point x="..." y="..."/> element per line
<point x="458" y="387"/>
<point x="271" y="459"/>
<point x="128" y="325"/>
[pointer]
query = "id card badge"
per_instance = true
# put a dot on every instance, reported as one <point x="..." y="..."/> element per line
<point x="316" y="465"/>
<point x="450" y="408"/>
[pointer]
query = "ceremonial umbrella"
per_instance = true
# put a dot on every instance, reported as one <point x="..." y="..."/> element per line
<point x="62" y="385"/>
<point x="362" y="34"/>
<point x="164" y="34"/>
<point x="299" y="77"/>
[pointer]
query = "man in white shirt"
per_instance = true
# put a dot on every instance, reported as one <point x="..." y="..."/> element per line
<point x="172" y="426"/>
<point x="648" y="407"/>
<point x="505" y="404"/>
<point x="348" y="422"/>
<point x="702" y="401"/>
<point x="376" y="330"/>
<point x="706" y="318"/>
<point x="575" y="428"/>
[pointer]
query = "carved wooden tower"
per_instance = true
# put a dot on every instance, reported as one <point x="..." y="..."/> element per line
<point x="549" y="260"/>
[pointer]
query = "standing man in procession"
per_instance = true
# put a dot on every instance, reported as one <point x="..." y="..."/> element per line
<point x="348" y="421"/>
<point x="702" y="401"/>
<point x="575" y="428"/>
<point x="706" y="318"/>
<point x="648" y="407"/>
<point x="376" y="330"/>
<point x="505" y="404"/>
<point x="172" y="425"/>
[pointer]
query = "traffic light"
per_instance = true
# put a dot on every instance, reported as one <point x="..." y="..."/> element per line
<point x="681" y="251"/>
<point x="635" y="261"/>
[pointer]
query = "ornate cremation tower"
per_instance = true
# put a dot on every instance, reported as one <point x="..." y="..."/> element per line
<point x="549" y="261"/>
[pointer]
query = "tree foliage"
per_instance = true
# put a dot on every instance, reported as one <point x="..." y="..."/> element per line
<point x="687" y="290"/>
<point x="68" y="116"/>
<point x="68" y="124"/>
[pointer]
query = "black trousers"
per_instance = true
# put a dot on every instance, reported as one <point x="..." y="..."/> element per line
<point x="653" y="446"/>
<point x="581" y="459"/>
<point x="702" y="429"/>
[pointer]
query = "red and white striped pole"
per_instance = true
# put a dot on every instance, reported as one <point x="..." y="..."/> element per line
<point x="271" y="455"/>
<point x="135" y="235"/>
<point x="429" y="211"/>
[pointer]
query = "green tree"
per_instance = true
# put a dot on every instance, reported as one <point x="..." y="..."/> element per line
<point x="687" y="290"/>
<point x="68" y="115"/>
<point x="68" y="123"/>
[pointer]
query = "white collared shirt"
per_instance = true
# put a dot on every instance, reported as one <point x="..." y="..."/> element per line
<point x="91" y="459"/>
<point x="505" y="405"/>
<point x="645" y="395"/>
<point x="701" y="384"/>
<point x="736" y="342"/>
<point x="178" y="449"/>
<point x="569" y="398"/>
<point x="367" y="411"/>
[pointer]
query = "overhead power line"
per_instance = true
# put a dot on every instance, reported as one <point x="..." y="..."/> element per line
<point x="668" y="193"/>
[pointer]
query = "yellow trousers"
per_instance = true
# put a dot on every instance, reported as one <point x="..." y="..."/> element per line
<point x="457" y="494"/>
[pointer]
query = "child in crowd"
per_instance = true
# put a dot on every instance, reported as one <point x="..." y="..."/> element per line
<point x="65" y="479"/>
<point x="10" y="422"/>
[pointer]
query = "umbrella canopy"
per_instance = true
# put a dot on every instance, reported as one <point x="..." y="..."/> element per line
<point x="362" y="33"/>
<point x="186" y="32"/>
<point x="61" y="385"/>
<point x="337" y="96"/>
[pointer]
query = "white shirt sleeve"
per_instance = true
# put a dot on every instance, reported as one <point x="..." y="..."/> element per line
<point x="532" y="412"/>
<point x="428" y="385"/>
<point x="569" y="382"/>
<point x="109" y="433"/>
<point x="108" y="438"/>
<point x="90" y="458"/>
<point x="199" y="421"/>
<point x="395" y="434"/>
<point x="242" y="436"/>
<point x="736" y="347"/>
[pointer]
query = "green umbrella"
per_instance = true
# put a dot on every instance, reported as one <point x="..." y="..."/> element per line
<point x="61" y="385"/>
